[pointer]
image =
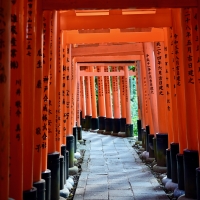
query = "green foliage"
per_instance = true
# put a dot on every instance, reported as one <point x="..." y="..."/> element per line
<point x="134" y="103"/>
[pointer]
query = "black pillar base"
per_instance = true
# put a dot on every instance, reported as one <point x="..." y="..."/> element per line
<point x="198" y="182"/>
<point x="41" y="188"/>
<point x="46" y="175"/>
<point x="123" y="125"/>
<point x="180" y="171"/>
<point x="151" y="150"/>
<point x="81" y="117"/>
<point x="129" y="130"/>
<point x="190" y="162"/>
<point x="161" y="145"/>
<point x="67" y="165"/>
<point x="70" y="148"/>
<point x="63" y="153"/>
<point x="102" y="123"/>
<point x="155" y="148"/>
<point x="147" y="138"/>
<point x="30" y="194"/>
<point x="168" y="155"/>
<point x="109" y="125"/>
<point x="54" y="165"/>
<point x="174" y="151"/>
<point x="61" y="172"/>
<point x="94" y="123"/>
<point x="75" y="138"/>
<point x="116" y="126"/>
<point x="79" y="131"/>
<point x="139" y="127"/>
<point x="83" y="121"/>
<point x="143" y="138"/>
<point x="88" y="122"/>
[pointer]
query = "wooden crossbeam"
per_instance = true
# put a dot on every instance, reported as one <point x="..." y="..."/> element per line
<point x="115" y="4"/>
<point x="121" y="73"/>
<point x="88" y="59"/>
<point x="73" y="37"/>
<point x="162" y="18"/>
<point x="134" y="49"/>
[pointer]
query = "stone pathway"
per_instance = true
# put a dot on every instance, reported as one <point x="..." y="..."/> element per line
<point x="111" y="169"/>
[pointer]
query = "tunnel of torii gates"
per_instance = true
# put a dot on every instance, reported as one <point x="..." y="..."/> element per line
<point x="50" y="53"/>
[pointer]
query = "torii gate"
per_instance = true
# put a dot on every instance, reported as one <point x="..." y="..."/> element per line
<point x="187" y="118"/>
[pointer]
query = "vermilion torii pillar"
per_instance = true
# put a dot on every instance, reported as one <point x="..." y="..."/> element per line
<point x="46" y="173"/>
<point x="83" y="103"/>
<point x="170" y="100"/>
<point x="28" y="91"/>
<point x="109" y="112"/>
<point x="88" y="103"/>
<point x="123" y="103"/>
<point x="129" y="125"/>
<point x="116" y="103"/>
<point x="37" y="162"/>
<point x="5" y="97"/>
<point x="161" y="137"/>
<point x="16" y="132"/>
<point x="190" y="155"/>
<point x="101" y="101"/>
<point x="53" y="155"/>
<point x="94" y="119"/>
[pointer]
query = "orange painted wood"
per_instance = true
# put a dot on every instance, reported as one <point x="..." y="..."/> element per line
<point x="37" y="159"/>
<point x="108" y="49"/>
<point x="52" y="84"/>
<point x="59" y="133"/>
<point x="16" y="137"/>
<point x="190" y="96"/>
<point x="101" y="94"/>
<point x="73" y="93"/>
<point x="111" y="4"/>
<point x="122" y="95"/>
<point x="88" y="96"/>
<point x="107" y="94"/>
<point x="78" y="101"/>
<point x="127" y="93"/>
<point x="73" y="37"/>
<point x="46" y="82"/>
<point x="115" y="93"/>
<point x="168" y="62"/>
<point x="150" y="71"/>
<point x="160" y="85"/>
<point x="67" y="76"/>
<point x="147" y="120"/>
<point x="106" y="58"/>
<point x="62" y="117"/>
<point x="5" y="24"/>
<point x="159" y="19"/>
<point x="172" y="97"/>
<point x="180" y="79"/>
<point x="196" y="57"/>
<point x="28" y="91"/>
<point x="83" y="103"/>
<point x="64" y="87"/>
<point x="93" y="94"/>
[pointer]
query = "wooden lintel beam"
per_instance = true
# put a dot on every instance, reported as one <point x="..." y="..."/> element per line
<point x="73" y="37"/>
<point x="121" y="73"/>
<point x="135" y="48"/>
<point x="160" y="19"/>
<point x="106" y="58"/>
<point x="117" y="54"/>
<point x="105" y="64"/>
<point x="115" y="4"/>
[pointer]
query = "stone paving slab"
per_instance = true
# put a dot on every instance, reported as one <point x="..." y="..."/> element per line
<point x="112" y="170"/>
